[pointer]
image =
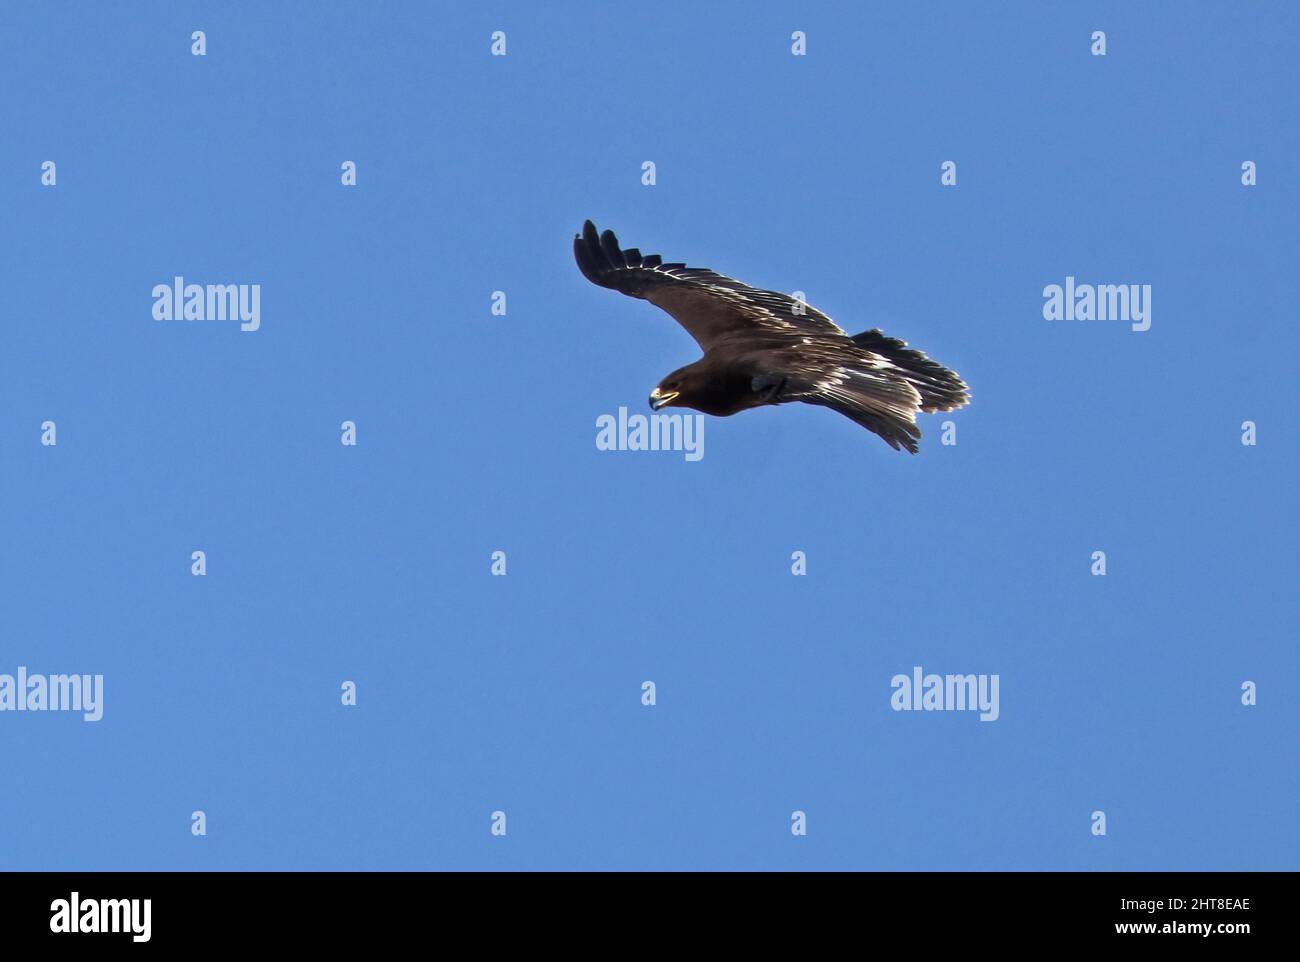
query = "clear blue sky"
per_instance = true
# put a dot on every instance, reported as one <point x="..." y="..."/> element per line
<point x="476" y="433"/>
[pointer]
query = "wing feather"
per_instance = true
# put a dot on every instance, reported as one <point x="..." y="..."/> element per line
<point x="707" y="304"/>
<point x="864" y="387"/>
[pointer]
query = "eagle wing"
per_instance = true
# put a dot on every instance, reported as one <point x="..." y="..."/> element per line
<point x="875" y="380"/>
<point x="867" y="388"/>
<point x="708" y="305"/>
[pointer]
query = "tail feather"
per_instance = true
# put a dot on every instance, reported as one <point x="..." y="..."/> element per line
<point x="940" y="388"/>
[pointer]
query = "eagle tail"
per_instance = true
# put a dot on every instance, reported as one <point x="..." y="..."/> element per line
<point x="940" y="388"/>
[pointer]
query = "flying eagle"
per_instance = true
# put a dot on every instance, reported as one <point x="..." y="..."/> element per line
<point x="761" y="347"/>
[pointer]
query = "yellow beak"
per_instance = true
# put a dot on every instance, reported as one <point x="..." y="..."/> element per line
<point x="659" y="398"/>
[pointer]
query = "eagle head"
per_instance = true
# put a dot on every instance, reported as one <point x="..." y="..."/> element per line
<point x="708" y="387"/>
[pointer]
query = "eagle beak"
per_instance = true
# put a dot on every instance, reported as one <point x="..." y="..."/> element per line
<point x="659" y="398"/>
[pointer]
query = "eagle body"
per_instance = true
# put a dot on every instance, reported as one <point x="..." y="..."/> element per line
<point x="766" y="348"/>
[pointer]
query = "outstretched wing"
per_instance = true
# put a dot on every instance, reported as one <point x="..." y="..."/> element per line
<point x="867" y="388"/>
<point x="709" y="305"/>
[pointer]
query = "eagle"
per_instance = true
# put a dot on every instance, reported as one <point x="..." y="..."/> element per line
<point x="763" y="347"/>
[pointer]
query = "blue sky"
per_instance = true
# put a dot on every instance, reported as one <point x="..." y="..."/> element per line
<point x="476" y="434"/>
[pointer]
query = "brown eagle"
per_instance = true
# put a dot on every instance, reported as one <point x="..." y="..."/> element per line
<point x="762" y="347"/>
